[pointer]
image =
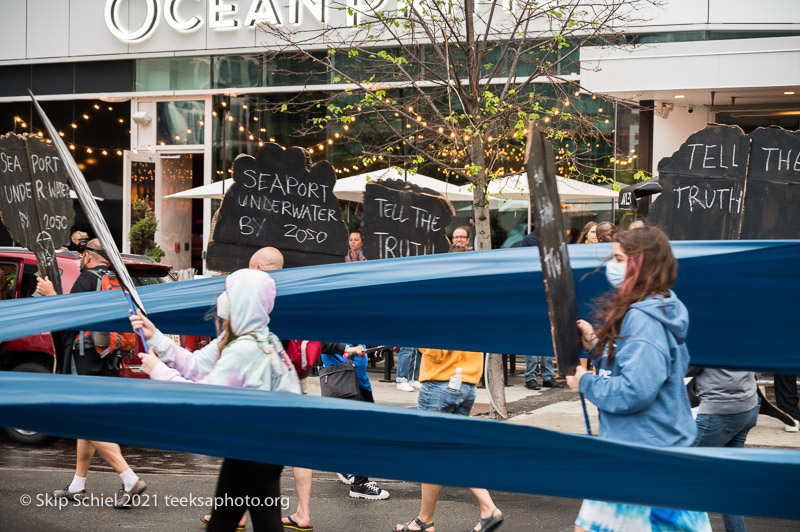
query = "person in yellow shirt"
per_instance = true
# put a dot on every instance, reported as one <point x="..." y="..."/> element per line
<point x="441" y="392"/>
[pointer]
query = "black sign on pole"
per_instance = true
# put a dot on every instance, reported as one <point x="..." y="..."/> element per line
<point x="278" y="199"/>
<point x="402" y="219"/>
<point x="562" y="304"/>
<point x="35" y="205"/>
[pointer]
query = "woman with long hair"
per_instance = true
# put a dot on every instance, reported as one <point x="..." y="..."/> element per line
<point x="589" y="234"/>
<point x="639" y="349"/>
<point x="244" y="355"/>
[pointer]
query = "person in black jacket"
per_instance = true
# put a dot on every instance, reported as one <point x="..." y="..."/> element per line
<point x="94" y="264"/>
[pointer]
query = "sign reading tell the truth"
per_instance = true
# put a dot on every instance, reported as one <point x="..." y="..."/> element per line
<point x="278" y="199"/>
<point x="34" y="198"/>
<point x="722" y="184"/>
<point x="404" y="220"/>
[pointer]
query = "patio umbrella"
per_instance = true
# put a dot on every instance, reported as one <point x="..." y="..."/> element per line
<point x="352" y="188"/>
<point x="516" y="187"/>
<point x="213" y="191"/>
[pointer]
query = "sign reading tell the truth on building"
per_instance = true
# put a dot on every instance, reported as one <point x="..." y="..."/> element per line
<point x="404" y="220"/>
<point x="278" y="199"/>
<point x="34" y="204"/>
<point x="724" y="185"/>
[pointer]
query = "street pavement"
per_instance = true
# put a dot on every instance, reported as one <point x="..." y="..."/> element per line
<point x="178" y="483"/>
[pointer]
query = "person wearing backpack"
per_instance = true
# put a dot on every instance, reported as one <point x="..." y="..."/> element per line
<point x="248" y="355"/>
<point x="94" y="268"/>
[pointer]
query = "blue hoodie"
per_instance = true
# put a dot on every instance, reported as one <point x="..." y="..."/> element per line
<point x="641" y="396"/>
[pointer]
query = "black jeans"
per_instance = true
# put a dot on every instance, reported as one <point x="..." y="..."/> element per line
<point x="239" y="479"/>
<point x="786" y="394"/>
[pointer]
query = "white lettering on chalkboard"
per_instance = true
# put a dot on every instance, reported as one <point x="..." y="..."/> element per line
<point x="23" y="220"/>
<point x="40" y="189"/>
<point x="713" y="160"/>
<point x="9" y="163"/>
<point x="391" y="247"/>
<point x="288" y="186"/>
<point x="424" y="219"/>
<point x="781" y="159"/>
<point x="54" y="222"/>
<point x="302" y="235"/>
<point x="551" y="263"/>
<point x="390" y="210"/>
<point x="250" y="226"/>
<point x="312" y="212"/>
<point x="17" y="193"/>
<point x="706" y="202"/>
<point x="44" y="164"/>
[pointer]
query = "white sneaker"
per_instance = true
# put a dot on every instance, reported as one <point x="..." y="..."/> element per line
<point x="405" y="387"/>
<point x="370" y="490"/>
<point x="346" y="479"/>
<point x="793" y="428"/>
<point x="416" y="384"/>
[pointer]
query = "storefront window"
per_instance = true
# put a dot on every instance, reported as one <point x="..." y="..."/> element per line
<point x="173" y="73"/>
<point x="238" y="71"/>
<point x="180" y="122"/>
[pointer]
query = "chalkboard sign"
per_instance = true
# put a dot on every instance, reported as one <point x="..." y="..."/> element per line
<point x="559" y="286"/>
<point x="722" y="184"/>
<point x="35" y="205"/>
<point x="278" y="199"/>
<point x="404" y="220"/>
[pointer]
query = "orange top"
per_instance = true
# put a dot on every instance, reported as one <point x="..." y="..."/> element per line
<point x="441" y="364"/>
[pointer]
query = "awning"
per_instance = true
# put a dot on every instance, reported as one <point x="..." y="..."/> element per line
<point x="516" y="187"/>
<point x="352" y="188"/>
<point x="629" y="194"/>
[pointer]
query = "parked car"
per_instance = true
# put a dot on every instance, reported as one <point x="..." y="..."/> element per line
<point x="34" y="354"/>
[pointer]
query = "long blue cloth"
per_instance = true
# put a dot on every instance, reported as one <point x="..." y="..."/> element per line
<point x="742" y="299"/>
<point x="391" y="442"/>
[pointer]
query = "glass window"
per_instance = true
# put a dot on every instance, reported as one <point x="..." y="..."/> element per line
<point x="238" y="71"/>
<point x="173" y="73"/>
<point x="180" y="122"/>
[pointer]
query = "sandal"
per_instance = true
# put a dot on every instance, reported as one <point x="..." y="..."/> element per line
<point x="206" y="518"/>
<point x="292" y="525"/>
<point x="487" y="524"/>
<point x="422" y="526"/>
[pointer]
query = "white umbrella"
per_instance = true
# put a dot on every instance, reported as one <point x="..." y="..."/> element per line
<point x="352" y="188"/>
<point x="516" y="187"/>
<point x="212" y="191"/>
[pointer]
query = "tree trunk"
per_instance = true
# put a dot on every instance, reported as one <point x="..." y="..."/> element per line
<point x="483" y="241"/>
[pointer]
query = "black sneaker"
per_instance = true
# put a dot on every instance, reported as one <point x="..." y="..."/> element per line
<point x="71" y="495"/>
<point x="124" y="498"/>
<point x="346" y="479"/>
<point x="532" y="385"/>
<point x="368" y="490"/>
<point x="552" y="383"/>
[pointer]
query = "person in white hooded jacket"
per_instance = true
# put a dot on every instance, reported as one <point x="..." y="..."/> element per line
<point x="244" y="355"/>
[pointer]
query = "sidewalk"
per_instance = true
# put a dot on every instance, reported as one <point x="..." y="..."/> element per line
<point x="556" y="409"/>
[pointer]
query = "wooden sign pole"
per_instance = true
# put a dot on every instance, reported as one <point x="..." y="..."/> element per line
<point x="562" y="304"/>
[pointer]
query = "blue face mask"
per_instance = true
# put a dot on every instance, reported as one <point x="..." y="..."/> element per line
<point x="615" y="273"/>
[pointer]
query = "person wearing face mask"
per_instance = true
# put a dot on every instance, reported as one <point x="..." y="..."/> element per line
<point x="639" y="349"/>
<point x="245" y="355"/>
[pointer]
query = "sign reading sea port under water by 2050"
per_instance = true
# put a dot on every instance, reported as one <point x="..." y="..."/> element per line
<point x="35" y="205"/>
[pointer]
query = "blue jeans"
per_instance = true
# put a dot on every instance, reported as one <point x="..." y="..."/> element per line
<point x="408" y="360"/>
<point x="532" y="364"/>
<point x="436" y="396"/>
<point x="726" y="430"/>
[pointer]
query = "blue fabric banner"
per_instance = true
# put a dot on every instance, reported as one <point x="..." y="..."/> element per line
<point x="399" y="443"/>
<point x="742" y="299"/>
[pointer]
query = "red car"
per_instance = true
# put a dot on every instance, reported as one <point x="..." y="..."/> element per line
<point x="18" y="273"/>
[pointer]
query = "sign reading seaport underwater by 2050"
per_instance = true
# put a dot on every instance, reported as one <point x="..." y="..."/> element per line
<point x="404" y="220"/>
<point x="723" y="184"/>
<point x="34" y="204"/>
<point x="278" y="199"/>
